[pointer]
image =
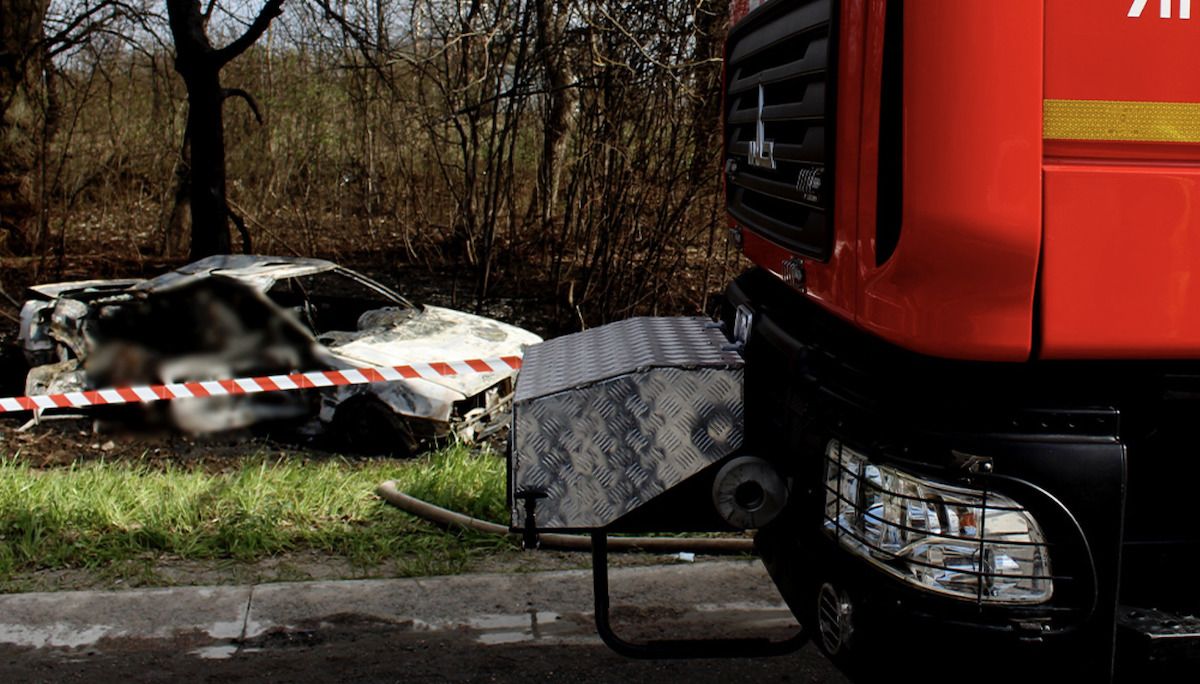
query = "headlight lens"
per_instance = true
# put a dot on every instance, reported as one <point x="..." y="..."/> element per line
<point x="967" y="543"/>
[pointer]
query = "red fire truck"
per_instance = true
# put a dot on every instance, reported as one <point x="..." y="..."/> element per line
<point x="955" y="398"/>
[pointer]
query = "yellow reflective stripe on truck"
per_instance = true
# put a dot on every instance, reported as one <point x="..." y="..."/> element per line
<point x="1121" y="121"/>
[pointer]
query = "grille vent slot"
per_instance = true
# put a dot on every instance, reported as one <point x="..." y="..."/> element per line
<point x="778" y="123"/>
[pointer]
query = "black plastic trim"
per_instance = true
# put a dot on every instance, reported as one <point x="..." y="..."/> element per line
<point x="889" y="202"/>
<point x="790" y="53"/>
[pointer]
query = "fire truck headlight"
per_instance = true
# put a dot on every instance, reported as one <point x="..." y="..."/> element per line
<point x="967" y="543"/>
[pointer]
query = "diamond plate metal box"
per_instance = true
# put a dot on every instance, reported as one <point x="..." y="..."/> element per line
<point x="607" y="419"/>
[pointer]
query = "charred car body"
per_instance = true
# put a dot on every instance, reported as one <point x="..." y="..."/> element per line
<point x="233" y="316"/>
<point x="956" y="398"/>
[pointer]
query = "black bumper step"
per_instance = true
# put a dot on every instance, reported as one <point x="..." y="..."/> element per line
<point x="1155" y="635"/>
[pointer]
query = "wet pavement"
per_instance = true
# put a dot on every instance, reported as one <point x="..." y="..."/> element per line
<point x="504" y="627"/>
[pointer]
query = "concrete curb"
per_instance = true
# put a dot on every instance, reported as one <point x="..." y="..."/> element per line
<point x="477" y="602"/>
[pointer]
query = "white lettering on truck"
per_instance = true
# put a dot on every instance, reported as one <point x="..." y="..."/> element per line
<point x="1164" y="8"/>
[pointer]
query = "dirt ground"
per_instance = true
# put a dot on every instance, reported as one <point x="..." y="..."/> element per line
<point x="63" y="441"/>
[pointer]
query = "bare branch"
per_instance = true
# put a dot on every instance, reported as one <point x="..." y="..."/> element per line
<point x="9" y="297"/>
<point x="241" y="226"/>
<point x="270" y="10"/>
<point x="68" y="31"/>
<point x="239" y="93"/>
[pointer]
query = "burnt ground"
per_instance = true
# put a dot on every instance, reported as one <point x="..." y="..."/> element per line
<point x="62" y="441"/>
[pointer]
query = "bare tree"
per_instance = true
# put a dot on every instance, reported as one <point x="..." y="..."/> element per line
<point x="21" y="60"/>
<point x="33" y="35"/>
<point x="199" y="63"/>
<point x="559" y="101"/>
<point x="528" y="147"/>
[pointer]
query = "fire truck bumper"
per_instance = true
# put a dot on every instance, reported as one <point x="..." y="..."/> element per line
<point x="943" y="510"/>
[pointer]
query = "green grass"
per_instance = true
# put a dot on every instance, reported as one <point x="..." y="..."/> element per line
<point x="106" y="515"/>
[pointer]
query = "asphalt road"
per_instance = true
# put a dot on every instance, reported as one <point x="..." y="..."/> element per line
<point x="487" y="628"/>
<point x="371" y="653"/>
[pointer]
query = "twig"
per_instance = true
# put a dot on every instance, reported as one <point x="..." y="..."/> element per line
<point x="9" y="297"/>
<point x="247" y="97"/>
<point x="258" y="224"/>
<point x="241" y="226"/>
<point x="269" y="11"/>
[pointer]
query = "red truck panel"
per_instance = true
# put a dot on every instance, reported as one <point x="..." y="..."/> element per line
<point x="1051" y="145"/>
<point x="1122" y="175"/>
<point x="961" y="282"/>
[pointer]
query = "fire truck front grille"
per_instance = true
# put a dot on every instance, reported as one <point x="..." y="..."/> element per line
<point x="778" y="123"/>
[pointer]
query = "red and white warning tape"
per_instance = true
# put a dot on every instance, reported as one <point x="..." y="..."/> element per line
<point x="266" y="383"/>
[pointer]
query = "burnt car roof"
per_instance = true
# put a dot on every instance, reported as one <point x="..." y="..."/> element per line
<point x="251" y="268"/>
<point x="258" y="272"/>
<point x="53" y="290"/>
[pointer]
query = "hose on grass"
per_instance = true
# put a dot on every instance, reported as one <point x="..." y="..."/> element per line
<point x="563" y="542"/>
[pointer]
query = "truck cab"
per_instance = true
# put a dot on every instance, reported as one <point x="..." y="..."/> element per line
<point x="968" y="351"/>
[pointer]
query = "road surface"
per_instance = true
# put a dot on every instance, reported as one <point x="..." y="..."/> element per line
<point x="473" y="628"/>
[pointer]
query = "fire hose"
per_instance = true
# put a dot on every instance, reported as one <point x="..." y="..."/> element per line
<point x="565" y="542"/>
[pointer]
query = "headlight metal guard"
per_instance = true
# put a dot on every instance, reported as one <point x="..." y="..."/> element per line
<point x="1070" y="540"/>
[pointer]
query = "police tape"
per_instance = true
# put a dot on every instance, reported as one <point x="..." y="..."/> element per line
<point x="255" y="385"/>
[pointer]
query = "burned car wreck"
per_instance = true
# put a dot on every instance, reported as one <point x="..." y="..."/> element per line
<point x="232" y="316"/>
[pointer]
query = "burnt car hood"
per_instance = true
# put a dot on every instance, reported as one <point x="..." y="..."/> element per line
<point x="430" y="334"/>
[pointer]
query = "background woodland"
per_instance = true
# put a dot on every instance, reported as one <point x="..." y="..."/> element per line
<point x="568" y="148"/>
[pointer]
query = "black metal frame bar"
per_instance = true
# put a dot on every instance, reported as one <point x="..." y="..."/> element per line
<point x="675" y="649"/>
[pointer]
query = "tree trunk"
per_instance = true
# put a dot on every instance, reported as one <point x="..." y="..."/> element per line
<point x="21" y="93"/>
<point x="199" y="64"/>
<point x="177" y="224"/>
<point x="711" y="19"/>
<point x="552" y="18"/>
<point x="206" y="140"/>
